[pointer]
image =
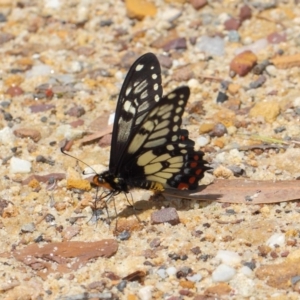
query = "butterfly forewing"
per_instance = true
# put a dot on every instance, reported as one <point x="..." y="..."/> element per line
<point x="140" y="92"/>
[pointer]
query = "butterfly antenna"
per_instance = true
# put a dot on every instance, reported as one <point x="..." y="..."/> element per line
<point x="62" y="149"/>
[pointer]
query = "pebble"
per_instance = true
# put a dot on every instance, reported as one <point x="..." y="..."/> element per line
<point x="232" y="24"/>
<point x="194" y="278"/>
<point x="258" y="82"/>
<point x="271" y="70"/>
<point x="233" y="36"/>
<point x="165" y="215"/>
<point x="211" y="45"/>
<point x="5" y="37"/>
<point x="221" y="97"/>
<point x="171" y="271"/>
<point x="296" y="102"/>
<point x="2" y="18"/>
<point x="31" y="133"/>
<point x="276" y="239"/>
<point x="223" y="273"/>
<point x="162" y="273"/>
<point x="14" y="91"/>
<point x="30" y="227"/>
<point x="202" y="141"/>
<point x="218" y="130"/>
<point x="276" y="38"/>
<point x="254" y="47"/>
<point x="246" y="271"/>
<point x="197" y="4"/>
<point x="39" y="70"/>
<point x="269" y="110"/>
<point x="18" y="165"/>
<point x="177" y="44"/>
<point x="140" y="8"/>
<point x="170" y="14"/>
<point x="145" y="293"/>
<point x="245" y="13"/>
<point x="243" y="63"/>
<point x="55" y="4"/>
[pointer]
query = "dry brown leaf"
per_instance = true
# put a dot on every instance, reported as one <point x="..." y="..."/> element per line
<point x="65" y="256"/>
<point x="243" y="191"/>
<point x="97" y="135"/>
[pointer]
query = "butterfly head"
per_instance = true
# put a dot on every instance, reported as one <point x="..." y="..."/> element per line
<point x="109" y="181"/>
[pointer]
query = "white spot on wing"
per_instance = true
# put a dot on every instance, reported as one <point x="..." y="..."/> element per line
<point x="171" y="96"/>
<point x="128" y="90"/>
<point x="141" y="86"/>
<point x="139" y="67"/>
<point x="175" y="159"/>
<point x="157" y="179"/>
<point x="144" y="94"/>
<point x="155" y="143"/>
<point x="146" y="158"/>
<point x="156" y="134"/>
<point x="128" y="107"/>
<point x="152" y="168"/>
<point x="163" y="124"/>
<point x="164" y="175"/>
<point x="163" y="157"/>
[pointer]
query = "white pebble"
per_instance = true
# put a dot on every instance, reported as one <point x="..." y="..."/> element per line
<point x="145" y="293"/>
<point x="211" y="45"/>
<point x="75" y="67"/>
<point x="228" y="257"/>
<point x="193" y="83"/>
<point x="276" y="239"/>
<point x="6" y="136"/>
<point x="202" y="141"/>
<point x="246" y="271"/>
<point x="223" y="273"/>
<point x="171" y="271"/>
<point x="52" y="4"/>
<point x="272" y="70"/>
<point x="39" y="70"/>
<point x="170" y="14"/>
<point x="161" y="273"/>
<point x="111" y="119"/>
<point x="194" y="278"/>
<point x="254" y="47"/>
<point x="18" y="165"/>
<point x="68" y="132"/>
<point x="119" y="75"/>
<point x="296" y="102"/>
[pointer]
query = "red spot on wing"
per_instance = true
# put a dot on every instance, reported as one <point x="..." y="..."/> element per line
<point x="183" y="186"/>
<point x="196" y="157"/>
<point x="192" y="180"/>
<point x="198" y="171"/>
<point x="193" y="164"/>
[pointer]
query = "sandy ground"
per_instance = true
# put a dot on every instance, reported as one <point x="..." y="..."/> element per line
<point x="62" y="67"/>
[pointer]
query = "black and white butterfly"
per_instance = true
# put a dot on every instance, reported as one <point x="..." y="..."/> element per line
<point x="149" y="150"/>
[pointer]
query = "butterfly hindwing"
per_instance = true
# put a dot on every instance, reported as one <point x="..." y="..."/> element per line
<point x="139" y="93"/>
<point x="162" y="152"/>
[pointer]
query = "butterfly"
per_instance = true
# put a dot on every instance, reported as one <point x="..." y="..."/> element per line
<point x="149" y="150"/>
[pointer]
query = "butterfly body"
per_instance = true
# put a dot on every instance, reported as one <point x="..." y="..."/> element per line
<point x="149" y="150"/>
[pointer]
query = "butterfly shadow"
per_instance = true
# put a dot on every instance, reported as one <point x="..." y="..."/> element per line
<point x="181" y="200"/>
